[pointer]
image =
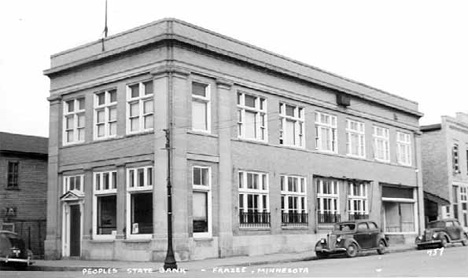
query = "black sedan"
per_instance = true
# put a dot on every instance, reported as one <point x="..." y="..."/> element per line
<point x="350" y="237"/>
<point x="441" y="232"/>
<point x="13" y="251"/>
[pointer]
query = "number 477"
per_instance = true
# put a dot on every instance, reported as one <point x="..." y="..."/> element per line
<point x="433" y="252"/>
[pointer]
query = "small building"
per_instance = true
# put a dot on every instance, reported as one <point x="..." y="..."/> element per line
<point x="445" y="168"/>
<point x="23" y="188"/>
<point x="267" y="153"/>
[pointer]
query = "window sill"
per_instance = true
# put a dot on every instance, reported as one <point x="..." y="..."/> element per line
<point x="138" y="240"/>
<point x="241" y="228"/>
<point x="13" y="188"/>
<point x="202" y="238"/>
<point x="202" y="133"/>
<point x="294" y="227"/>
<point x="254" y="141"/>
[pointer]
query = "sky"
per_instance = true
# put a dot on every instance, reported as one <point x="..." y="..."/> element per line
<point x="414" y="49"/>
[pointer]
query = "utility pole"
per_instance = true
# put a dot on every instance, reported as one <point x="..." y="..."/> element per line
<point x="169" y="262"/>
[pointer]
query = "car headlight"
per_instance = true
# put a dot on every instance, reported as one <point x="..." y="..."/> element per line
<point x="338" y="239"/>
<point x="434" y="236"/>
<point x="419" y="237"/>
<point x="322" y="241"/>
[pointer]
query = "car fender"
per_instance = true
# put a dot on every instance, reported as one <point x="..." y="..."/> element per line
<point x="349" y="241"/>
<point x="381" y="237"/>
<point x="443" y="234"/>
<point x="319" y="243"/>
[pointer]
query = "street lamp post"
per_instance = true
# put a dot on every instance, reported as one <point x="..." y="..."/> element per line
<point x="169" y="262"/>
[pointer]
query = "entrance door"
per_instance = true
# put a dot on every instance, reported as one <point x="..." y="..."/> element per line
<point x="75" y="230"/>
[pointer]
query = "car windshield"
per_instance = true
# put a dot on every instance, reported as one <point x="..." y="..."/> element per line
<point x="344" y="227"/>
<point x="436" y="224"/>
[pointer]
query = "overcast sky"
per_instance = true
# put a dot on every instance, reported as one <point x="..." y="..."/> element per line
<point x="414" y="49"/>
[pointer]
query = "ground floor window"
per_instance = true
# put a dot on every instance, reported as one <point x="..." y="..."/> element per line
<point x="141" y="213"/>
<point x="106" y="214"/>
<point x="399" y="209"/>
<point x="328" y="210"/>
<point x="293" y="200"/>
<point x="253" y="199"/>
<point x="357" y="200"/>
<point x="201" y="201"/>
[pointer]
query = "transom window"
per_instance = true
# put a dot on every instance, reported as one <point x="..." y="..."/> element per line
<point x="73" y="183"/>
<point x="140" y="201"/>
<point x="293" y="200"/>
<point x="201" y="107"/>
<point x="381" y="144"/>
<point x="105" y="204"/>
<point x="105" y="114"/>
<point x="140" y="107"/>
<point x="291" y="125"/>
<point x="253" y="199"/>
<point x="404" y="148"/>
<point x="251" y="117"/>
<point x="325" y="131"/>
<point x="357" y="200"/>
<point x="74" y="121"/>
<point x="355" y="138"/>
<point x="328" y="200"/>
<point x="201" y="201"/>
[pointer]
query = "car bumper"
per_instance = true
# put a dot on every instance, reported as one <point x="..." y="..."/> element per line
<point x="429" y="242"/>
<point x="7" y="260"/>
<point x="327" y="250"/>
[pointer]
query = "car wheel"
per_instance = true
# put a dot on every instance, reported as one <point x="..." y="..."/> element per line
<point x="381" y="248"/>
<point x="352" y="250"/>
<point x="465" y="239"/>
<point x="443" y="242"/>
<point x="321" y="255"/>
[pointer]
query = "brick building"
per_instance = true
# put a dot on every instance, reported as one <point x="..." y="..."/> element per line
<point x="267" y="152"/>
<point x="445" y="168"/>
<point x="23" y="187"/>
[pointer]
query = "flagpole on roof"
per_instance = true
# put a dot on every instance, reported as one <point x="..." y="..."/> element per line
<point x="105" y="27"/>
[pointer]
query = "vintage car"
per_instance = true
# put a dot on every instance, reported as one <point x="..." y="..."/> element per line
<point x="441" y="232"/>
<point x="350" y="237"/>
<point x="13" y="251"/>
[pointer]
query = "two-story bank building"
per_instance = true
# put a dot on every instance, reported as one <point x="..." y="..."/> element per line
<point x="266" y="152"/>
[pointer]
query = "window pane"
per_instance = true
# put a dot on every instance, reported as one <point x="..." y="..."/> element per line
<point x="112" y="114"/>
<point x="113" y="96"/>
<point x="290" y="133"/>
<point x="106" y="181"/>
<point x="205" y="177"/>
<point x="101" y="130"/>
<point x="81" y="120"/>
<point x="106" y="215"/>
<point x="250" y="125"/>
<point x="134" y="124"/>
<point x="142" y="213"/>
<point x="112" y="128"/>
<point x="70" y="122"/>
<point x="101" y="98"/>
<point x="148" y="121"/>
<point x="148" y="88"/>
<point x="114" y="180"/>
<point x="199" y="115"/>
<point x="200" y="212"/>
<point x="100" y="116"/>
<point x="140" y="177"/>
<point x="81" y="104"/>
<point x="70" y="106"/>
<point x="149" y="176"/>
<point x="135" y="91"/>
<point x="134" y="109"/>
<point x="148" y="107"/>
<point x="196" y="176"/>
<point x="250" y="101"/>
<point x="290" y="110"/>
<point x="199" y="89"/>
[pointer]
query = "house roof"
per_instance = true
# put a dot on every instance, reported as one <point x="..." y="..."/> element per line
<point x="10" y="142"/>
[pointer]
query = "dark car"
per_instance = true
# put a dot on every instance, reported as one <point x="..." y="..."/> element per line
<point x="350" y="237"/>
<point x="441" y="232"/>
<point x="13" y="251"/>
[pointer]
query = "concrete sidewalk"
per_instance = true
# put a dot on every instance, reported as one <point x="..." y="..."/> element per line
<point x="81" y="265"/>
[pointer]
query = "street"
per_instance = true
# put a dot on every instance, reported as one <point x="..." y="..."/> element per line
<point x="451" y="262"/>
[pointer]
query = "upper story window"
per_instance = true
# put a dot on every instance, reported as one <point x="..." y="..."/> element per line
<point x="251" y="117"/>
<point x="13" y="170"/>
<point x="325" y="131"/>
<point x="292" y="125"/>
<point x="355" y="138"/>
<point x="74" y="121"/>
<point x="73" y="183"/>
<point x="456" y="159"/>
<point x="201" y="201"/>
<point x="140" y="107"/>
<point x="404" y="148"/>
<point x="201" y="112"/>
<point x="105" y="114"/>
<point x="381" y="144"/>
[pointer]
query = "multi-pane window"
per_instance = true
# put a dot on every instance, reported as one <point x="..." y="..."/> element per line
<point x="455" y="201"/>
<point x="404" y="148"/>
<point x="325" y="132"/>
<point x="357" y="200"/>
<point x="455" y="159"/>
<point x="253" y="199"/>
<point x="251" y="117"/>
<point x="293" y="200"/>
<point x="291" y="125"/>
<point x="140" y="107"/>
<point x="73" y="183"/>
<point x="381" y="144"/>
<point x="105" y="204"/>
<point x="74" y="121"/>
<point x="140" y="201"/>
<point x="201" y="201"/>
<point x="13" y="170"/>
<point x="464" y="205"/>
<point x="201" y="107"/>
<point x="328" y="200"/>
<point x="355" y="142"/>
<point x="105" y="114"/>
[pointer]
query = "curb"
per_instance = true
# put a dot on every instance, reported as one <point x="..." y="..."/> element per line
<point x="286" y="260"/>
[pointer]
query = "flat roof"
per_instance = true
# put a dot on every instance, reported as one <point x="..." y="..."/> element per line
<point x="174" y="29"/>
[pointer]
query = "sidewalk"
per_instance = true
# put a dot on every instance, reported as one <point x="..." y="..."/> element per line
<point x="80" y="265"/>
